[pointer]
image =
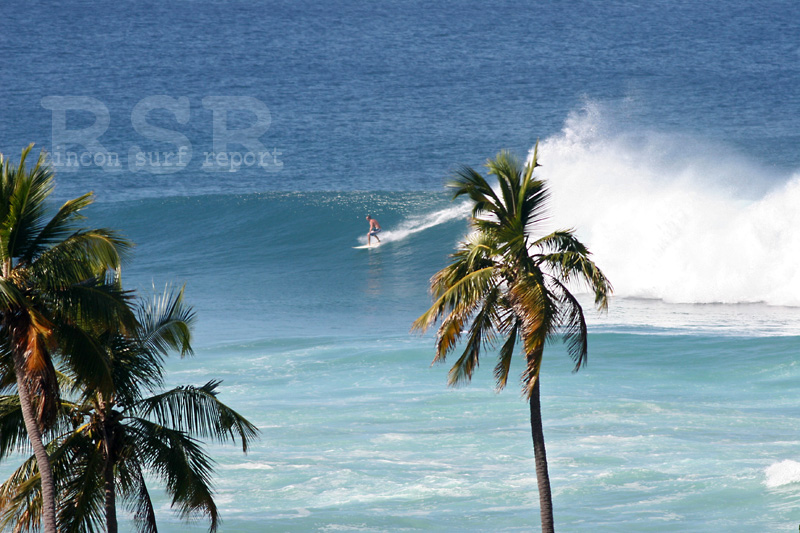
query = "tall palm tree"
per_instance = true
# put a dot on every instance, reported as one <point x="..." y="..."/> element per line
<point x="54" y="279"/>
<point x="506" y="283"/>
<point x="106" y="441"/>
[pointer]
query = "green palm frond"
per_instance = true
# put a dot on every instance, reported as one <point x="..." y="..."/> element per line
<point x="21" y="499"/>
<point x="13" y="437"/>
<point x="508" y="170"/>
<point x="140" y="503"/>
<point x="468" y="182"/>
<point x="60" y="226"/>
<point x="10" y="296"/>
<point x="482" y="331"/>
<point x="86" y="254"/>
<point x="534" y="205"/>
<point x="465" y="293"/>
<point x="135" y="370"/>
<point x="25" y="208"/>
<point x="504" y="357"/>
<point x="87" y="359"/>
<point x="474" y="256"/>
<point x="181" y="463"/>
<point x="572" y="324"/>
<point x="560" y="241"/>
<point x="529" y="168"/>
<point x="80" y="471"/>
<point x="571" y="263"/>
<point x="166" y="323"/>
<point x="198" y="411"/>
<point x="95" y="302"/>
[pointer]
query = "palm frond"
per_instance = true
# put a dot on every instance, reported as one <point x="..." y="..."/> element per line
<point x="97" y="302"/>
<point x="60" y="226"/>
<point x="79" y="469"/>
<point x="508" y="171"/>
<point x="135" y="369"/>
<point x="469" y="182"/>
<point x="534" y="204"/>
<point x="26" y="208"/>
<point x="481" y="331"/>
<point x="197" y="411"/>
<point x="86" y="358"/>
<point x="21" y="499"/>
<point x="560" y="241"/>
<point x="572" y="324"/>
<point x="467" y="289"/>
<point x="474" y="254"/>
<point x="181" y="463"/>
<point x="166" y="323"/>
<point x="449" y="333"/>
<point x="140" y="503"/>
<point x="529" y="168"/>
<point x="534" y="307"/>
<point x="10" y="295"/>
<point x="570" y="262"/>
<point x="84" y="255"/>
<point x="504" y="357"/>
<point x="13" y="437"/>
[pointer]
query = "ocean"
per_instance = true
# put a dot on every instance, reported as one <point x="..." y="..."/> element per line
<point x="668" y="133"/>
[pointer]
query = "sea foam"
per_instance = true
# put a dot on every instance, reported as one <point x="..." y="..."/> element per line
<point x="418" y="223"/>
<point x="674" y="217"/>
<point x="782" y="473"/>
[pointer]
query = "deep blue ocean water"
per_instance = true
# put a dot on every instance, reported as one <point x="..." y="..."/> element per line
<point x="669" y="134"/>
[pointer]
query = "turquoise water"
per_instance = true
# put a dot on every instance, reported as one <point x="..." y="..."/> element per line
<point x="683" y="420"/>
<point x="668" y="133"/>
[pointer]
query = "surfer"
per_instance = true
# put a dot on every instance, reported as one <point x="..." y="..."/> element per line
<point x="374" y="229"/>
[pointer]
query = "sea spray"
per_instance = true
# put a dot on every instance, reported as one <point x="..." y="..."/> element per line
<point x="671" y="217"/>
<point x="782" y="473"/>
<point x="417" y="223"/>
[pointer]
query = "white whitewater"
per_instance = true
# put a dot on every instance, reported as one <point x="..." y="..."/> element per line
<point x="672" y="217"/>
<point x="418" y="223"/>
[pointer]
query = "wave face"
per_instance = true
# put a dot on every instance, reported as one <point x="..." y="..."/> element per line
<point x="284" y="263"/>
<point x="668" y="217"/>
<point x="674" y="217"/>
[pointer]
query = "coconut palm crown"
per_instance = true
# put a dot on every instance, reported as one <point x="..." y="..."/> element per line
<point x="106" y="443"/>
<point x="507" y="285"/>
<point x="56" y="279"/>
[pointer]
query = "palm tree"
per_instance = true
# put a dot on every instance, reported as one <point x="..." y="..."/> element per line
<point x="106" y="442"/>
<point x="54" y="279"/>
<point x="505" y="283"/>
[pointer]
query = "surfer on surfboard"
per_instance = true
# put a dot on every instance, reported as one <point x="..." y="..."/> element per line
<point x="374" y="229"/>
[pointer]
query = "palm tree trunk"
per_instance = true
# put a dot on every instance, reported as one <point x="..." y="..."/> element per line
<point x="108" y="477"/>
<point x="539" y="453"/>
<point x="39" y="451"/>
<point x="111" y="499"/>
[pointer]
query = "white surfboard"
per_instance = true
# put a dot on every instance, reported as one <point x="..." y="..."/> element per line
<point x="365" y="246"/>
